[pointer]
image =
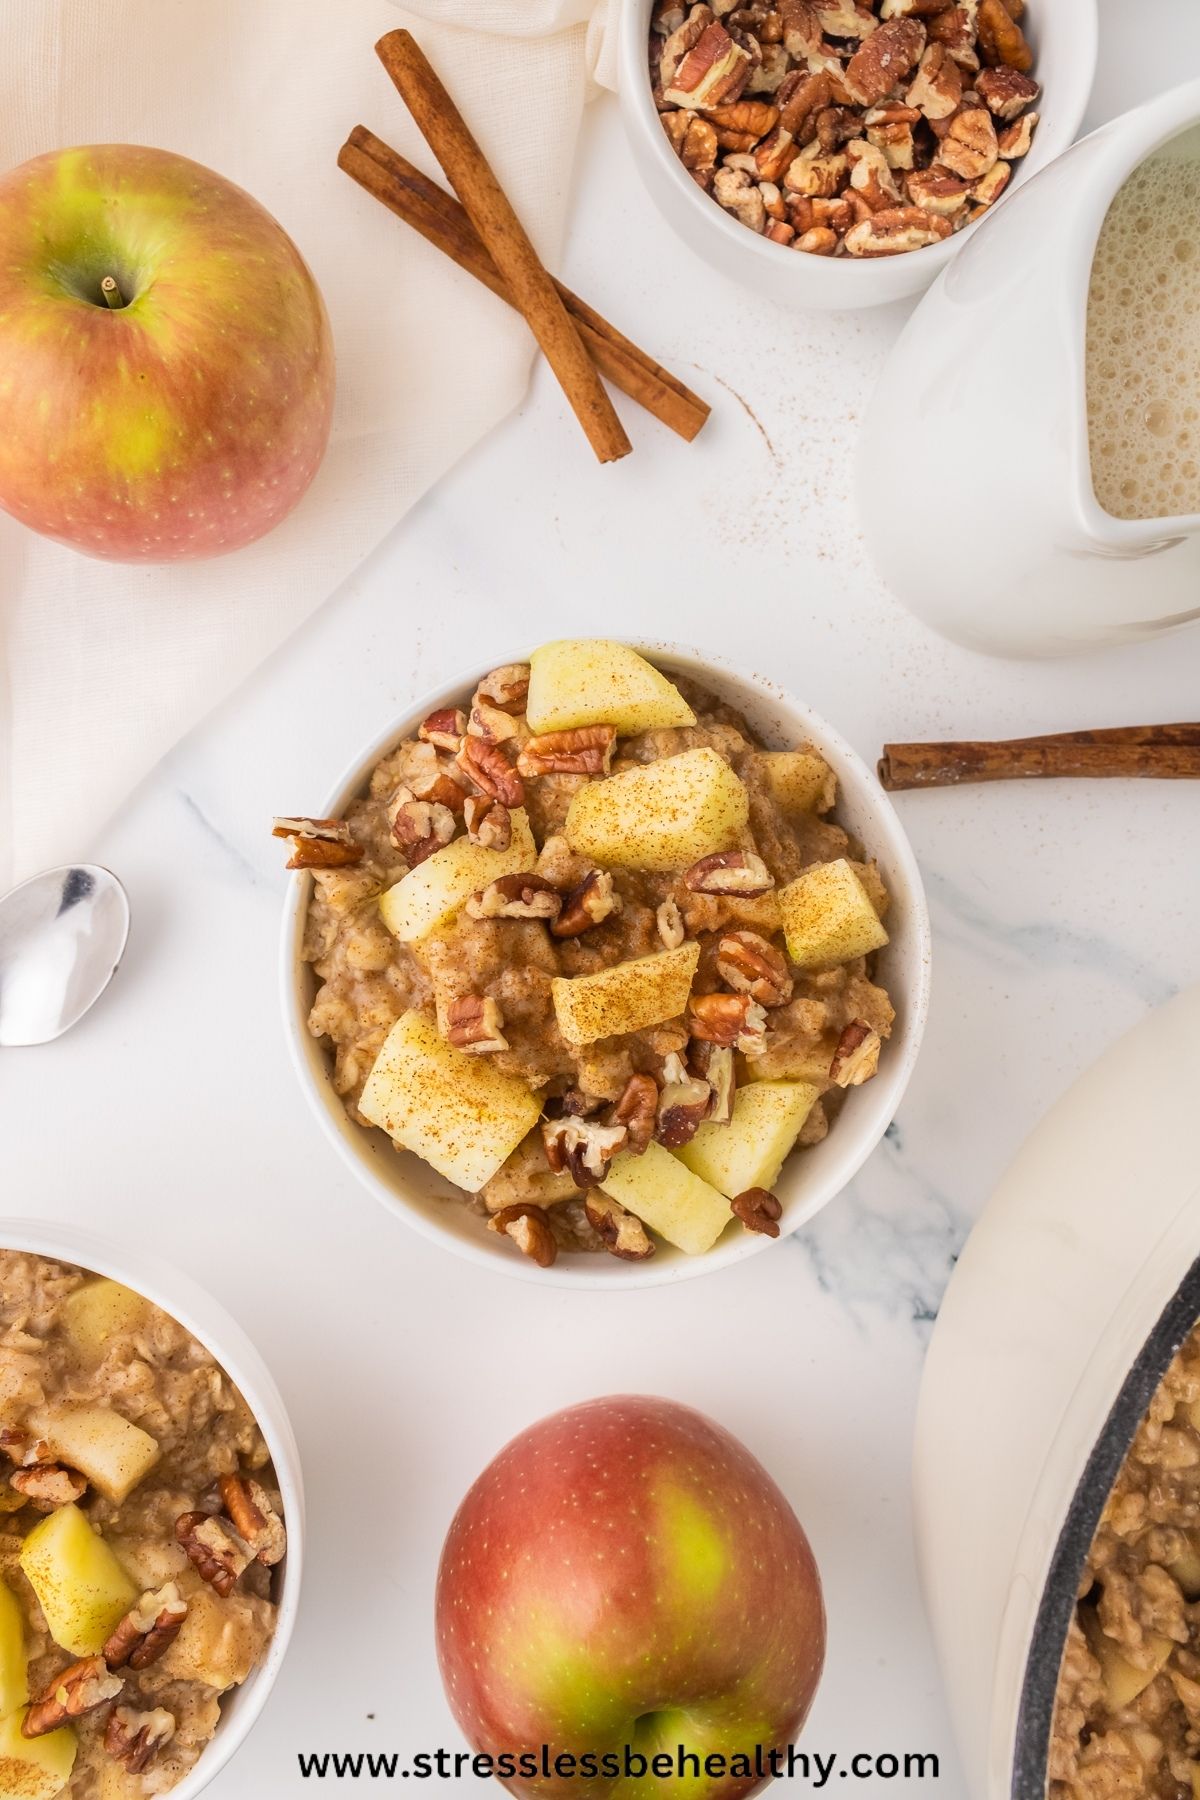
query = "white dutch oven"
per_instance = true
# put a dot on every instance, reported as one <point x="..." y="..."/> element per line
<point x="1076" y="1288"/>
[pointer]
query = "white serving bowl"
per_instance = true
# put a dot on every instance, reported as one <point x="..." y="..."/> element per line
<point x="1064" y="35"/>
<point x="411" y="1190"/>
<point x="1077" y="1286"/>
<point x="211" y="1326"/>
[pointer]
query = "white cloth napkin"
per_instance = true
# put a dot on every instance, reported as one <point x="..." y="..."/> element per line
<point x="104" y="666"/>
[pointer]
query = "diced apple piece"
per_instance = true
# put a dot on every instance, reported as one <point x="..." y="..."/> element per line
<point x="801" y="1060"/>
<point x="1123" y="1680"/>
<point x="81" y="1587"/>
<point x="799" y="781"/>
<point x="594" y="681"/>
<point x="433" y="892"/>
<point x="14" y="1660"/>
<point x="34" y="1768"/>
<point x="658" y="1190"/>
<point x="749" y="1152"/>
<point x="828" y="917"/>
<point x="627" y="997"/>
<point x="666" y="815"/>
<point x="100" y="1311"/>
<point x="460" y="1113"/>
<point x="220" y="1641"/>
<point x="113" y="1453"/>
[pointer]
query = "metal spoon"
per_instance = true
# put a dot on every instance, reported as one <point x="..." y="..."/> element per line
<point x="62" y="935"/>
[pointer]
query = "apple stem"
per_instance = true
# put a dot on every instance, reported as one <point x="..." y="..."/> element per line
<point x="112" y="293"/>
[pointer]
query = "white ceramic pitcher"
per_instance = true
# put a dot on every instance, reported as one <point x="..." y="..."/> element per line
<point x="975" y="474"/>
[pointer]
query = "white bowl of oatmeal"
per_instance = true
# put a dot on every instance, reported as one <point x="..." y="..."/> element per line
<point x="1057" y="1453"/>
<point x="638" y="1133"/>
<point x="141" y="1627"/>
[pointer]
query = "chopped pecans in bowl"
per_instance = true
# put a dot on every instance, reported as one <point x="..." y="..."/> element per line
<point x="844" y="129"/>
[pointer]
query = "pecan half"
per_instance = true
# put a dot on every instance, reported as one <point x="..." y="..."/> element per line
<point x="134" y="1738"/>
<point x="750" y="965"/>
<point x="899" y="229"/>
<point x="683" y="1106"/>
<point x="475" y="1024"/>
<point x="714" y="71"/>
<point x="419" y="827"/>
<point x="254" y="1518"/>
<point x="318" y="843"/>
<point x="488" y="823"/>
<point x="937" y="89"/>
<point x="857" y="1055"/>
<point x="215" y="1552"/>
<point x="732" y="1019"/>
<point x="1006" y="92"/>
<point x="445" y="728"/>
<point x="583" y="1147"/>
<point x="969" y="147"/>
<point x="1017" y="140"/>
<point x="937" y="191"/>
<point x="623" y="1234"/>
<point x="488" y="767"/>
<point x="637" y="1110"/>
<point x="587" y="751"/>
<point x="49" y="1485"/>
<point x="146" y="1631"/>
<point x="759" y="1211"/>
<point x="729" y="872"/>
<point x="594" y="900"/>
<point x="75" y="1690"/>
<point x="1001" y="39"/>
<point x="669" y="920"/>
<point x="530" y="1231"/>
<point x="506" y="687"/>
<point x="516" y="897"/>
<point x="882" y="60"/>
<point x="741" y="125"/>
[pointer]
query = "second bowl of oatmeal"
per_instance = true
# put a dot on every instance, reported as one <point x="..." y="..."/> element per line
<point x="603" y="950"/>
<point x="877" y="134"/>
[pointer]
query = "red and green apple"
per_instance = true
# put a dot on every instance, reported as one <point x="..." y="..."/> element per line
<point x="166" y="364"/>
<point x="625" y="1580"/>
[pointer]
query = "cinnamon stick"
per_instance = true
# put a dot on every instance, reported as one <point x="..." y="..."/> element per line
<point x="487" y="206"/>
<point x="439" y="218"/>
<point x="1129" y="752"/>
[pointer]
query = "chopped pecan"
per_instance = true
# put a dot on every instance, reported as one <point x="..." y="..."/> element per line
<point x="530" y="1231"/>
<point x="857" y="1055"/>
<point x="721" y="1076"/>
<point x="491" y="723"/>
<point x="759" y="1211"/>
<point x="419" y="827"/>
<point x="774" y="155"/>
<point x="684" y="38"/>
<point x="845" y="20"/>
<point x="733" y="1019"/>
<point x="49" y="1485"/>
<point x="590" y="903"/>
<point x="955" y="28"/>
<point x="475" y="1024"/>
<point x="74" y="1691"/>
<point x="669" y="920"/>
<point x="883" y="60"/>
<point x="487" y="766"/>
<point x="694" y="139"/>
<point x="729" y="872"/>
<point x="1017" y="140"/>
<point x="215" y="1552"/>
<point x="254" y="1518"/>
<point x="837" y="126"/>
<point x="516" y="897"/>
<point x="431" y="777"/>
<point x="134" y="1738"/>
<point x="969" y="147"/>
<point x="749" y="964"/>
<point x="741" y="125"/>
<point x="1006" y="92"/>
<point x="937" y="88"/>
<point x="815" y="174"/>
<point x="898" y="229"/>
<point x="988" y="190"/>
<point x="506" y="688"/>
<point x="583" y="1147"/>
<point x="714" y="71"/>
<point x="684" y="1104"/>
<point x="802" y="34"/>
<point x="780" y="232"/>
<point x="318" y="843"/>
<point x="488" y="823"/>
<point x="637" y="1110"/>
<point x="937" y="191"/>
<point x="445" y="729"/>
<point x="623" y="1234"/>
<point x="586" y="751"/>
<point x="1001" y="39"/>
<point x="146" y="1631"/>
<point x="737" y="193"/>
<point x="871" y="175"/>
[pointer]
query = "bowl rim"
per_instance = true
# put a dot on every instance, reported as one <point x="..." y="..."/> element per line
<point x="829" y="274"/>
<point x="193" y="1307"/>
<point x="904" y="1046"/>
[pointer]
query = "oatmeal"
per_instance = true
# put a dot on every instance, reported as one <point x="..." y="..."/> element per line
<point x="859" y="128"/>
<point x="596" y="954"/>
<point x="139" y="1531"/>
<point x="1127" y="1712"/>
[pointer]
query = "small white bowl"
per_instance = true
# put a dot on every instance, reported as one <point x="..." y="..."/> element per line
<point x="211" y="1326"/>
<point x="412" y="1191"/>
<point x="1064" y="34"/>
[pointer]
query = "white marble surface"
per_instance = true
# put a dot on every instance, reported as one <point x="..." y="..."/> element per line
<point x="1061" y="914"/>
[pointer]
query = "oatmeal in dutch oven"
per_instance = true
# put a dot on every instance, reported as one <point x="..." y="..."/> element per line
<point x="1127" y="1712"/>
<point x="139" y="1531"/>
<point x="596" y="954"/>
